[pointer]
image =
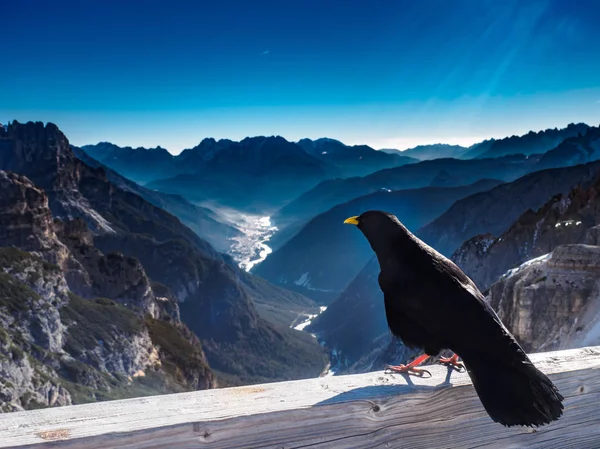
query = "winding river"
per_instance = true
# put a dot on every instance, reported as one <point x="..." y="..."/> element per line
<point x="251" y="247"/>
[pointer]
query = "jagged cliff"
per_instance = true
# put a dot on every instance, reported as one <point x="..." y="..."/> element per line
<point x="552" y="302"/>
<point x="57" y="347"/>
<point x="565" y="219"/>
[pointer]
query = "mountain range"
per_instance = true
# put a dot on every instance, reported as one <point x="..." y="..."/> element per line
<point x="256" y="174"/>
<point x="445" y="171"/>
<point x="355" y="160"/>
<point x="527" y="144"/>
<point x="118" y="276"/>
<point x="217" y="300"/>
<point x="429" y="152"/>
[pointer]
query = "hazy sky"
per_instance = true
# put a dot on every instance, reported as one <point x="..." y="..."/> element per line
<point x="392" y="73"/>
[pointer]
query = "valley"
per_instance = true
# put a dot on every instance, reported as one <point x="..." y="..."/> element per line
<point x="251" y="246"/>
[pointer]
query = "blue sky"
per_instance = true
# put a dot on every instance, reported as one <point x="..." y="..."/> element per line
<point x="389" y="73"/>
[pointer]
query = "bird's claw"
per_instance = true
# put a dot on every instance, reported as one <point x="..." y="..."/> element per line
<point x="406" y="369"/>
<point x="453" y="363"/>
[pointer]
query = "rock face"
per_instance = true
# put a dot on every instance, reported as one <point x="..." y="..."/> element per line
<point x="216" y="299"/>
<point x="113" y="276"/>
<point x="31" y="292"/>
<point x="57" y="347"/>
<point x="24" y="215"/>
<point x="552" y="302"/>
<point x="565" y="219"/>
<point x="26" y="222"/>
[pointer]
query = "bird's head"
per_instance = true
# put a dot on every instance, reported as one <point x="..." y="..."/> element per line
<point x="380" y="228"/>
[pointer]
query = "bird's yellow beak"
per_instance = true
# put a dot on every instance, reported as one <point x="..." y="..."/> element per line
<point x="352" y="220"/>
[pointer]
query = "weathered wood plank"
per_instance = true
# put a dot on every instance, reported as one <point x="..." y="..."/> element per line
<point x="371" y="410"/>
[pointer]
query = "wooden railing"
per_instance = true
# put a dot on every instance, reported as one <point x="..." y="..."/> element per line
<point x="373" y="410"/>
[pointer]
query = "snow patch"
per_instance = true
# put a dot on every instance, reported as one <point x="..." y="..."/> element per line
<point x="309" y="318"/>
<point x="567" y="223"/>
<point x="526" y="264"/>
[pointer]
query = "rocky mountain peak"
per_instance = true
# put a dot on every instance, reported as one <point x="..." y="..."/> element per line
<point x="39" y="151"/>
<point x="552" y="302"/>
<point x="565" y="219"/>
<point x="25" y="219"/>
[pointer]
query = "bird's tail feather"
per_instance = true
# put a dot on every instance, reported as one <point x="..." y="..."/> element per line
<point x="516" y="394"/>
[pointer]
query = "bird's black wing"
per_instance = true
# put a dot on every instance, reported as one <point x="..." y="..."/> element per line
<point x="511" y="388"/>
<point x="442" y="301"/>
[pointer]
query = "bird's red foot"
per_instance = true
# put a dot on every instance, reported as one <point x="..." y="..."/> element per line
<point x="452" y="361"/>
<point x="411" y="367"/>
<point x="406" y="369"/>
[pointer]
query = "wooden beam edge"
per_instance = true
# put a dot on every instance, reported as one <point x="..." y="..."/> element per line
<point x="139" y="414"/>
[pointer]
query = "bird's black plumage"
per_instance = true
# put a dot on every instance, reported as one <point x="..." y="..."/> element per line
<point x="431" y="304"/>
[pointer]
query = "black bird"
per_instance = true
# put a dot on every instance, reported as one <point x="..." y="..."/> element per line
<point x="431" y="304"/>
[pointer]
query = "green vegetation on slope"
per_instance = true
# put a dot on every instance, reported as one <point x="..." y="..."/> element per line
<point x="90" y="321"/>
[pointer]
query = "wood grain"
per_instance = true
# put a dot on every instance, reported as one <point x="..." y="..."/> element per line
<point x="373" y="410"/>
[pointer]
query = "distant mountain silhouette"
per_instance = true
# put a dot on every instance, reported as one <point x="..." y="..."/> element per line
<point x="584" y="147"/>
<point x="138" y="164"/>
<point x="577" y="149"/>
<point x="413" y="176"/>
<point x="495" y="210"/>
<point x="254" y="174"/>
<point x="527" y="144"/>
<point x="356" y="160"/>
<point x="436" y="151"/>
